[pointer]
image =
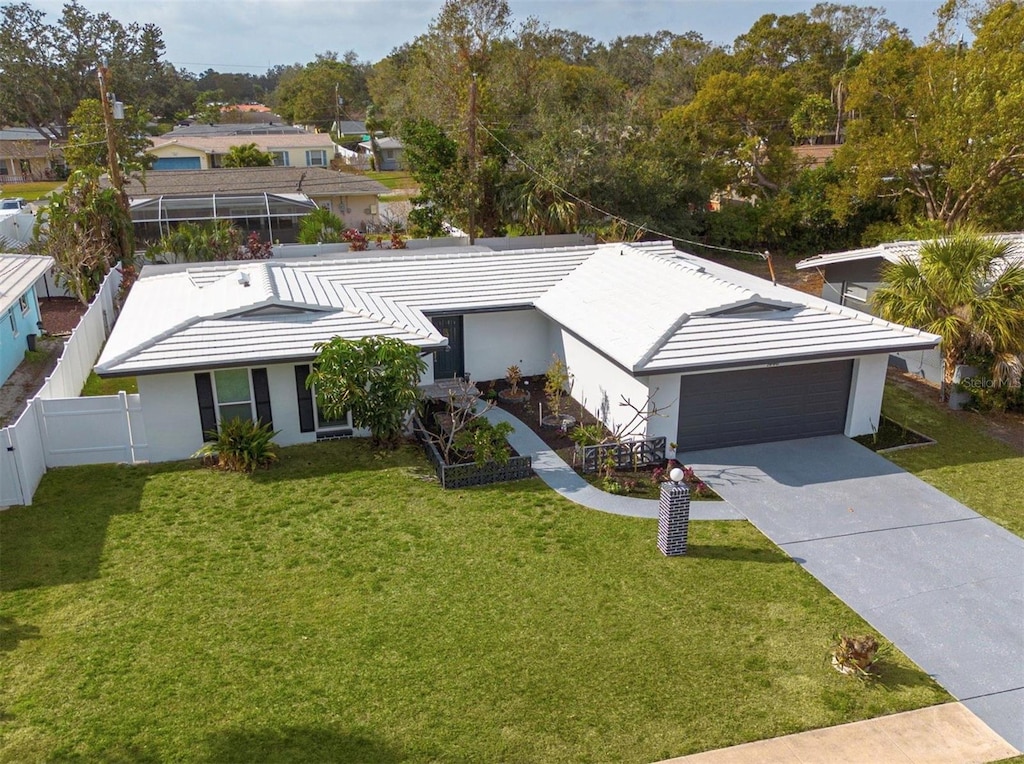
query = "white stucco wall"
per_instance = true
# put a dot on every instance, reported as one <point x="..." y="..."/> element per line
<point x="170" y="411"/>
<point x="664" y="391"/>
<point x="864" y="410"/>
<point x="171" y="415"/>
<point x="495" y="341"/>
<point x="599" y="384"/>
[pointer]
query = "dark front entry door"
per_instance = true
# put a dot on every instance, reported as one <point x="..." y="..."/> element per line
<point x="450" y="361"/>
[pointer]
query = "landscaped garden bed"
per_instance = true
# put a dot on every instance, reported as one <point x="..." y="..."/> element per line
<point x="341" y="607"/>
<point x="641" y="482"/>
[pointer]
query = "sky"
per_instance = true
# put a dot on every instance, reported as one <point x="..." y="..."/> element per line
<point x="254" y="35"/>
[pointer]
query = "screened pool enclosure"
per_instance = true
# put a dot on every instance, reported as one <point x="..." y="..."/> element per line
<point x="275" y="217"/>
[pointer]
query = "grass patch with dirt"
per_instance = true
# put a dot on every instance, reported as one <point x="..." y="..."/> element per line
<point x="965" y="463"/>
<point x="97" y="386"/>
<point x="341" y="606"/>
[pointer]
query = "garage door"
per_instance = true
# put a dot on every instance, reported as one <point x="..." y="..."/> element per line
<point x="759" y="405"/>
<point x="177" y="163"/>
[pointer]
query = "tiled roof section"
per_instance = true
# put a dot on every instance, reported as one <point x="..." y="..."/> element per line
<point x="803" y="333"/>
<point x="221" y="144"/>
<point x="648" y="307"/>
<point x="234" y="128"/>
<point x="897" y="250"/>
<point x="624" y="300"/>
<point x="17" y="274"/>
<point x="313" y="181"/>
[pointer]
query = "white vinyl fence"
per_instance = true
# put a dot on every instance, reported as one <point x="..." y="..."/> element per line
<point x="59" y="429"/>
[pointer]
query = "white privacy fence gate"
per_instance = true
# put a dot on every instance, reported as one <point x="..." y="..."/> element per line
<point x="59" y="429"/>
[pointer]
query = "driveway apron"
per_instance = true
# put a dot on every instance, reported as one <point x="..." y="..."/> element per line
<point x="942" y="583"/>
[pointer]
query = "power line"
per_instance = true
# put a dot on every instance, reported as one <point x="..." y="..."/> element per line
<point x="612" y="215"/>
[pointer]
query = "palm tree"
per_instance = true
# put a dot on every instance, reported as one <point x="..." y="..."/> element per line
<point x="967" y="290"/>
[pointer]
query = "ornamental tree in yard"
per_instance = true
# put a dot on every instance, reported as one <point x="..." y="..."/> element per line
<point x="374" y="378"/>
<point x="964" y="289"/>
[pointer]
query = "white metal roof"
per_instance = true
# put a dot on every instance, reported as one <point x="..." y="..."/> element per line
<point x="895" y="251"/>
<point x="647" y="306"/>
<point x="17" y="274"/>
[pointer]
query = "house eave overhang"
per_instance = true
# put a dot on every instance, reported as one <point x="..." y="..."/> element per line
<point x="780" y="360"/>
<point x="111" y="372"/>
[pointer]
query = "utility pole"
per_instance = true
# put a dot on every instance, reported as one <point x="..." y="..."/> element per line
<point x="472" y="159"/>
<point x="116" y="179"/>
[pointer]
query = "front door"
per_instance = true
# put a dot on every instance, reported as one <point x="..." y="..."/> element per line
<point x="450" y="361"/>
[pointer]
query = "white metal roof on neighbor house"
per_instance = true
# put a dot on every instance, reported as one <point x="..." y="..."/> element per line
<point x="895" y="251"/>
<point x="17" y="274"/>
<point x="648" y="307"/>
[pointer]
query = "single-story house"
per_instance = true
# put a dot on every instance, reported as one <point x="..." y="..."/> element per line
<point x="269" y="200"/>
<point x="725" y="357"/>
<point x="26" y="156"/>
<point x="391" y="152"/>
<point x="204" y="152"/>
<point x="19" y="307"/>
<point x="852" y="277"/>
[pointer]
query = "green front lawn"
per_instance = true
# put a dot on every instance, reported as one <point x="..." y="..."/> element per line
<point x="966" y="463"/>
<point x="30" y="192"/>
<point x="342" y="607"/>
<point x="393" y="179"/>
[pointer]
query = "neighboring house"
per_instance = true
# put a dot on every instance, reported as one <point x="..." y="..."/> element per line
<point x="269" y="200"/>
<point x="204" y="152"/>
<point x="852" y="277"/>
<point x="390" y="152"/>
<point x="19" y="307"/>
<point x="725" y="357"/>
<point x="25" y="156"/>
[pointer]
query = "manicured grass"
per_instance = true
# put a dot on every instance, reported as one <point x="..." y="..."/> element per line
<point x="393" y="179"/>
<point x="966" y="463"/>
<point x="30" y="192"/>
<point x="342" y="607"/>
<point x="96" y="386"/>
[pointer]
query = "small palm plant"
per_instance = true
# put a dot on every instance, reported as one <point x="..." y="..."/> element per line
<point x="241" y="445"/>
<point x="513" y="376"/>
<point x="855" y="655"/>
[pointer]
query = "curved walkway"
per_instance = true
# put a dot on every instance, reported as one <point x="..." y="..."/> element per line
<point x="562" y="478"/>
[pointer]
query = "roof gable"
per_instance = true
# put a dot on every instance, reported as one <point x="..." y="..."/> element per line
<point x="18" y="274"/>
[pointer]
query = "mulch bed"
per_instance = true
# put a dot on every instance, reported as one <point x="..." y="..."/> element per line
<point x="60" y="315"/>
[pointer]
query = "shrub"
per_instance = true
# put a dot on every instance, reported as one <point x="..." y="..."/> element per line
<point x="241" y="445"/>
<point x="485" y="440"/>
<point x="588" y="434"/>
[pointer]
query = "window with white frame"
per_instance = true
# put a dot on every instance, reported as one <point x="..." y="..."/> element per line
<point x="13" y="322"/>
<point x="234" y="395"/>
<point x="316" y="158"/>
<point x="23" y="304"/>
<point x="280" y="158"/>
<point x="855" y="293"/>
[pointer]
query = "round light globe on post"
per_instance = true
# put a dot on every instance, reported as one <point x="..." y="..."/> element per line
<point x="676" y="475"/>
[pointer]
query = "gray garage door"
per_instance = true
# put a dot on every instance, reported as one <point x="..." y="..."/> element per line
<point x="758" y="405"/>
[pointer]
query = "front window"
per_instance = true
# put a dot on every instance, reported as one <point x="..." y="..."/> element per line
<point x="316" y="158"/>
<point x="856" y="294"/>
<point x="280" y="158"/>
<point x="23" y="304"/>
<point x="234" y="395"/>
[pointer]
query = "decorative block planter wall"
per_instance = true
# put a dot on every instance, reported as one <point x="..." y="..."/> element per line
<point x="465" y="475"/>
<point x="627" y="455"/>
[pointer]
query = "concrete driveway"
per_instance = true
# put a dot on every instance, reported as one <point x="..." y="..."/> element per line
<point x="938" y="580"/>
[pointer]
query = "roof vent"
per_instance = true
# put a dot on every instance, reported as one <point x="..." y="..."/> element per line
<point x="243" y="278"/>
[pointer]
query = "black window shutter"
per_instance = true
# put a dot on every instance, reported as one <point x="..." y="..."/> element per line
<point x="207" y="408"/>
<point x="261" y="392"/>
<point x="305" y="397"/>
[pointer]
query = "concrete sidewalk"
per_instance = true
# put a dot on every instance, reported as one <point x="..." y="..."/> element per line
<point x="946" y="734"/>
<point x="562" y="478"/>
<point x="942" y="583"/>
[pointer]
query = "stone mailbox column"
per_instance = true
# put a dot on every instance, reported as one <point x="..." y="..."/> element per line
<point x="673" y="518"/>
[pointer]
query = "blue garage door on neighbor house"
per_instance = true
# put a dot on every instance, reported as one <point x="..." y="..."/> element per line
<point x="177" y="163"/>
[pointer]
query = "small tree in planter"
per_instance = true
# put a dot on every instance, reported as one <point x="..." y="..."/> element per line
<point x="557" y="385"/>
<point x="375" y="378"/>
<point x="513" y="375"/>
